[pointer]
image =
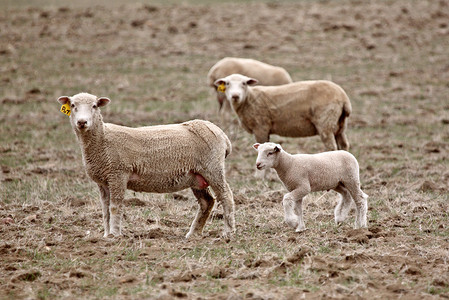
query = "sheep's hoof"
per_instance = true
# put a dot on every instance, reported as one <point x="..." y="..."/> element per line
<point x="115" y="234"/>
<point x="291" y="223"/>
<point x="299" y="230"/>
<point x="226" y="236"/>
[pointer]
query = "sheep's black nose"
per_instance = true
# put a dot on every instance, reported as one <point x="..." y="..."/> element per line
<point x="81" y="123"/>
<point x="235" y="97"/>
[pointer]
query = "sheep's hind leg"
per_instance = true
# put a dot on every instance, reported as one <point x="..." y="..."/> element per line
<point x="361" y="204"/>
<point x="206" y="203"/>
<point x="344" y="204"/>
<point x="225" y="197"/>
<point x="328" y="139"/>
<point x="104" y="195"/>
<point x="342" y="141"/>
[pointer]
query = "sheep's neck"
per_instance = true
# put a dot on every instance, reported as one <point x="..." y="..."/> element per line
<point x="284" y="163"/>
<point x="92" y="145"/>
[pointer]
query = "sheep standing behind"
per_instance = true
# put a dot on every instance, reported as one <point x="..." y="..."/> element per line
<point x="266" y="75"/>
<point x="159" y="159"/>
<point x="305" y="173"/>
<point x="299" y="109"/>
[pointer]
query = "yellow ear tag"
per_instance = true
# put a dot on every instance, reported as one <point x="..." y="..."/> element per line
<point x="65" y="109"/>
<point x="221" y="88"/>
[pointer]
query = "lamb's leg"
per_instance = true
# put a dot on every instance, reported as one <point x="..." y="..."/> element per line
<point x="361" y="204"/>
<point x="298" y="210"/>
<point x="104" y="195"/>
<point x="117" y="189"/>
<point x="289" y="215"/>
<point x="206" y="203"/>
<point x="225" y="197"/>
<point x="344" y="204"/>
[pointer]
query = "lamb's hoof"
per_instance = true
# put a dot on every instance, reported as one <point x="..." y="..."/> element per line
<point x="115" y="234"/>
<point x="226" y="236"/>
<point x="291" y="223"/>
<point x="300" y="230"/>
<point x="339" y="222"/>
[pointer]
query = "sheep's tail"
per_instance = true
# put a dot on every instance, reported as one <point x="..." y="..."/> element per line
<point x="345" y="113"/>
<point x="222" y="136"/>
<point x="228" y="146"/>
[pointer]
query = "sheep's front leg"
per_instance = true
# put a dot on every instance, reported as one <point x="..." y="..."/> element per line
<point x="289" y="216"/>
<point x="117" y="187"/>
<point x="206" y="203"/>
<point x="298" y="210"/>
<point x="105" y="200"/>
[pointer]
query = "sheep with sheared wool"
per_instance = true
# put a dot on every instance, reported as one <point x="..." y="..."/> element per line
<point x="266" y="74"/>
<point x="298" y="109"/>
<point x="158" y="159"/>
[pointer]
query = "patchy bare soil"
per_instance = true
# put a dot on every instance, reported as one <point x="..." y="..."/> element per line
<point x="152" y="61"/>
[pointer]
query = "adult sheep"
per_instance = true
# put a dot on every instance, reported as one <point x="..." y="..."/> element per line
<point x="266" y="74"/>
<point x="299" y="109"/>
<point x="159" y="159"/>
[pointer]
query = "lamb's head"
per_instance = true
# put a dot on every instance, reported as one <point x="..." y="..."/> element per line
<point x="84" y="110"/>
<point x="268" y="154"/>
<point x="236" y="87"/>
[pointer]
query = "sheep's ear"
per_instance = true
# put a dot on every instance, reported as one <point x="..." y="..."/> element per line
<point x="103" y="101"/>
<point x="219" y="82"/>
<point x="256" y="146"/>
<point x="64" y="99"/>
<point x="252" y="81"/>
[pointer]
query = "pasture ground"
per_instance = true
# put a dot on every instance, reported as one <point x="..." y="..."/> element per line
<point x="152" y="61"/>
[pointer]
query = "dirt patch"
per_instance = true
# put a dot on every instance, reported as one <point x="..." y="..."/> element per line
<point x="152" y="61"/>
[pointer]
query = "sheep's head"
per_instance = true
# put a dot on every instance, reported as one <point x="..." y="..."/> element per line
<point x="267" y="156"/>
<point x="236" y="87"/>
<point x="84" y="110"/>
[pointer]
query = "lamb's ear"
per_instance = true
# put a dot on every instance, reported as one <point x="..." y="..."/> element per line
<point x="256" y="146"/>
<point x="64" y="99"/>
<point x="252" y="81"/>
<point x="219" y="82"/>
<point x="103" y="101"/>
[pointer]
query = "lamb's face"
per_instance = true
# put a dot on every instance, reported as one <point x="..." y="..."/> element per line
<point x="236" y="87"/>
<point x="84" y="110"/>
<point x="267" y="155"/>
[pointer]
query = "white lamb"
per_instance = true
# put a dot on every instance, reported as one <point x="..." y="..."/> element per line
<point x="159" y="159"/>
<point x="305" y="173"/>
<point x="266" y="74"/>
<point x="299" y="109"/>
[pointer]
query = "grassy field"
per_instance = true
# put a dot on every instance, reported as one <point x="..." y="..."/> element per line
<point x="151" y="60"/>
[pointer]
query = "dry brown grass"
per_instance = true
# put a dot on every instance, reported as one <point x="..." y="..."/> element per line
<point x="152" y="61"/>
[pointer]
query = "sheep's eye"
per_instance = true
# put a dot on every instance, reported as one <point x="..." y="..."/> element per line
<point x="244" y="83"/>
<point x="270" y="153"/>
<point x="227" y="83"/>
<point x="94" y="106"/>
<point x="72" y="105"/>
